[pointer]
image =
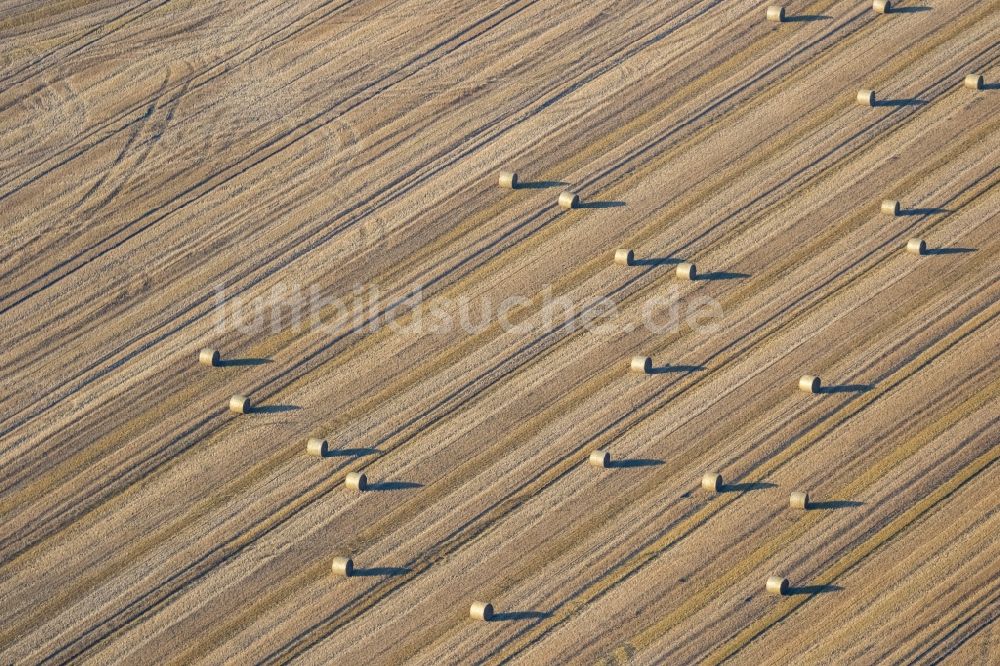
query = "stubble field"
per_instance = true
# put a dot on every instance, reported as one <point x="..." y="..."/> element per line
<point x="311" y="187"/>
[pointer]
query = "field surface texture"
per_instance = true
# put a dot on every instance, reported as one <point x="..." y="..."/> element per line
<point x="310" y="187"/>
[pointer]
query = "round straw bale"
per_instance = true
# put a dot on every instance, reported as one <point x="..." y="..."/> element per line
<point x="777" y="585"/>
<point x="356" y="481"/>
<point x="809" y="383"/>
<point x="481" y="611"/>
<point x="624" y="257"/>
<point x="882" y="6"/>
<point x="239" y="404"/>
<point x="799" y="500"/>
<point x="569" y="200"/>
<point x="916" y="246"/>
<point x="641" y="364"/>
<point x="890" y="207"/>
<point x="687" y="271"/>
<point x="508" y="179"/>
<point x="317" y="447"/>
<point x="866" y="97"/>
<point x="208" y="356"/>
<point x="600" y="458"/>
<point x="974" y="81"/>
<point x="342" y="566"/>
<point x="775" y="14"/>
<point x="711" y="481"/>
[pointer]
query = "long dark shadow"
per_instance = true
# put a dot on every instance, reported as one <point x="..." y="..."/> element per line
<point x="722" y="275"/>
<point x="743" y="487"/>
<point x="834" y="504"/>
<point x="233" y="362"/>
<point x="656" y="261"/>
<point x="274" y="409"/>
<point x="665" y="369"/>
<point x="356" y="452"/>
<point x="991" y="86"/>
<point x="847" y="388"/>
<point x="813" y="589"/>
<point x="540" y="185"/>
<point x="900" y="102"/>
<point x="807" y="17"/>
<point x="601" y="204"/>
<point x="910" y="10"/>
<point x="949" y="250"/>
<point x="924" y="211"/>
<point x="381" y="571"/>
<point x="512" y="616"/>
<point x="393" y="485"/>
<point x="635" y="462"/>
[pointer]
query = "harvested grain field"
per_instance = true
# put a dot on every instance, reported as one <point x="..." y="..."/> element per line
<point x="311" y="188"/>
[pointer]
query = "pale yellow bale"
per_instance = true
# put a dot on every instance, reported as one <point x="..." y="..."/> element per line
<point x="317" y="447"/>
<point x="600" y="458"/>
<point x="569" y="200"/>
<point x="508" y="180"/>
<point x="481" y="611"/>
<point x="342" y="566"/>
<point x="711" y="481"/>
<point x="641" y="364"/>
<point x="809" y="383"/>
<point x="974" y="81"/>
<point x="686" y="271"/>
<point x="239" y="404"/>
<point x="777" y="585"/>
<point x="356" y="481"/>
<point x="208" y="357"/>
<point x="624" y="257"/>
